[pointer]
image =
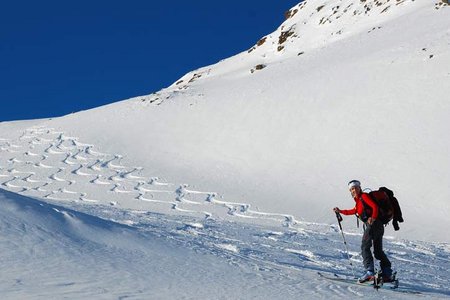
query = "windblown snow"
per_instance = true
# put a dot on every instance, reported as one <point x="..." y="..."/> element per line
<point x="221" y="186"/>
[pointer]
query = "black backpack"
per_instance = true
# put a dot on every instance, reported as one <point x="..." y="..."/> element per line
<point x="388" y="207"/>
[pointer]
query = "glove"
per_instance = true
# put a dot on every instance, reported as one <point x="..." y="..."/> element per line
<point x="336" y="210"/>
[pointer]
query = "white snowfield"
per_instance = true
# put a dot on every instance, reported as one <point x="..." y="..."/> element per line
<point x="52" y="252"/>
<point x="222" y="185"/>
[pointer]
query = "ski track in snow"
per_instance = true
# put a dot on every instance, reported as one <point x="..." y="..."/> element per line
<point x="50" y="161"/>
<point x="47" y="164"/>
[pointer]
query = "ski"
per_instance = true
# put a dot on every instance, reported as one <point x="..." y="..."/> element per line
<point x="391" y="286"/>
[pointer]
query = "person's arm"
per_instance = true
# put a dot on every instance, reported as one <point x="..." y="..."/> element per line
<point x="348" y="212"/>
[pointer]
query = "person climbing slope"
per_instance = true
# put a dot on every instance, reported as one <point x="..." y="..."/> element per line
<point x="367" y="211"/>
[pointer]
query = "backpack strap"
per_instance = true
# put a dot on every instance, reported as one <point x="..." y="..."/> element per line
<point x="364" y="216"/>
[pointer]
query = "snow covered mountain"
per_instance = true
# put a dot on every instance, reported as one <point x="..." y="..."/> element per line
<point x="368" y="103"/>
<point x="343" y="89"/>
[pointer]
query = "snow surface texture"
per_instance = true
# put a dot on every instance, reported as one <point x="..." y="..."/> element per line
<point x="221" y="186"/>
<point x="160" y="240"/>
<point x="54" y="252"/>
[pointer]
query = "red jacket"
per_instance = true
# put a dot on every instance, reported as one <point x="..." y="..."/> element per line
<point x="371" y="207"/>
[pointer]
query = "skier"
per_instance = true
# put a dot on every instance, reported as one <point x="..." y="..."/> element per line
<point x="367" y="211"/>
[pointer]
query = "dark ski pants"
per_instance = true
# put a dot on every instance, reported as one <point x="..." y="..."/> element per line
<point x="373" y="235"/>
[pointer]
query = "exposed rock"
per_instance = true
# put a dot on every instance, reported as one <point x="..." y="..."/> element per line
<point x="261" y="41"/>
<point x="258" y="67"/>
<point x="290" y="13"/>
<point x="195" y="77"/>
<point x="283" y="38"/>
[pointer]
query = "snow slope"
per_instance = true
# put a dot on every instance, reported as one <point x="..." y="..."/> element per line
<point x="227" y="178"/>
<point x="53" y="252"/>
<point x="369" y="103"/>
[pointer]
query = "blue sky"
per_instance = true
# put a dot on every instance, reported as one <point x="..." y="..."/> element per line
<point x="58" y="57"/>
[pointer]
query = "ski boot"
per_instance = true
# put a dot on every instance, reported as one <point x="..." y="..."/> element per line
<point x="368" y="276"/>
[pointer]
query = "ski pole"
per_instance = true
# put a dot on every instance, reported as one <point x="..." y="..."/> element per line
<point x="339" y="218"/>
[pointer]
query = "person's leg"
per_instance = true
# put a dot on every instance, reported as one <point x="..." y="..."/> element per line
<point x="366" y="253"/>
<point x="378" y="232"/>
